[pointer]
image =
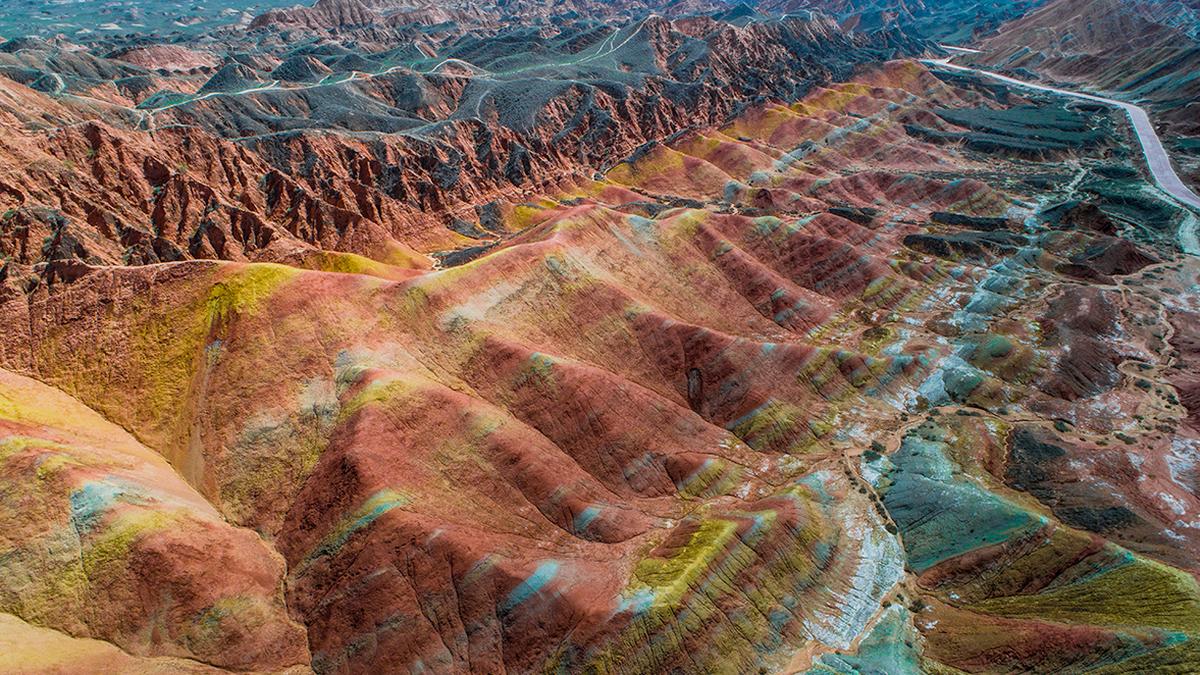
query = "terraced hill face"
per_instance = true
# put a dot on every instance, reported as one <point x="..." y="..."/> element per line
<point x="680" y="344"/>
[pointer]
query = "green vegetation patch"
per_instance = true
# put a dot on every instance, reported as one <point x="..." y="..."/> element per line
<point x="1138" y="593"/>
<point x="244" y="292"/>
<point x="1023" y="130"/>
<point x="775" y="426"/>
<point x="1133" y="201"/>
<point x="671" y="575"/>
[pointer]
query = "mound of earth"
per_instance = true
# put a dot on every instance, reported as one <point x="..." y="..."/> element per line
<point x="301" y="69"/>
<point x="167" y="57"/>
<point x="231" y="77"/>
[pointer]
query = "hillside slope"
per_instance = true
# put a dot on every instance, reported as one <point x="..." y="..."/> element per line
<point x="878" y="380"/>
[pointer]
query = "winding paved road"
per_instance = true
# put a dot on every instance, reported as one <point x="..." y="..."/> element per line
<point x="1156" y="155"/>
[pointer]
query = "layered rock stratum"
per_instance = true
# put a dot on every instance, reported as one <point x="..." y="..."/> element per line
<point x="399" y="337"/>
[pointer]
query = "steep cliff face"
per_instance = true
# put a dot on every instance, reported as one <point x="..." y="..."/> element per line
<point x="97" y="195"/>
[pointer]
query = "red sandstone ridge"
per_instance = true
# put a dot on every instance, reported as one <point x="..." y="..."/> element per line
<point x="103" y="540"/>
<point x="329" y="14"/>
<point x="368" y="15"/>
<point x="229" y="176"/>
<point x="98" y="195"/>
<point x="710" y="396"/>
<point x="624" y="337"/>
<point x="170" y="58"/>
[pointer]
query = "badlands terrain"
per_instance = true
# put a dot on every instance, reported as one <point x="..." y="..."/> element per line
<point x="388" y="336"/>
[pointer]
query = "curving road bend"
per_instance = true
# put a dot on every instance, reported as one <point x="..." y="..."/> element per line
<point x="1156" y="155"/>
